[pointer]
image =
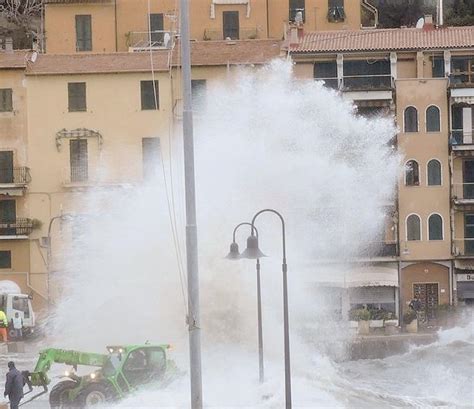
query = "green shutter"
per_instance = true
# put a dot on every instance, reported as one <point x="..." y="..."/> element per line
<point x="83" y="33"/>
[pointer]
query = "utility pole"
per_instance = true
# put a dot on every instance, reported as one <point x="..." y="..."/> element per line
<point x="191" y="226"/>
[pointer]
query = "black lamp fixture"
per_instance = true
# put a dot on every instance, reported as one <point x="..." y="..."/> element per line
<point x="234" y="253"/>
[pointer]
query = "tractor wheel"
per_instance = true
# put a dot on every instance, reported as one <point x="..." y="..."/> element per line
<point x="94" y="394"/>
<point x="58" y="397"/>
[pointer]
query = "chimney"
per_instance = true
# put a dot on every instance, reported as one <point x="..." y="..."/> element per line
<point x="428" y="25"/>
<point x="9" y="44"/>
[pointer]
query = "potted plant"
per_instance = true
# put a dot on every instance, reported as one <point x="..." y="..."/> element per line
<point x="410" y="320"/>
<point x="362" y="316"/>
<point x="376" y="318"/>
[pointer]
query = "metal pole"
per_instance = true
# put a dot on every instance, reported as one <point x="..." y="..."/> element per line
<point x="191" y="226"/>
<point x="286" y="323"/>
<point x="261" y="376"/>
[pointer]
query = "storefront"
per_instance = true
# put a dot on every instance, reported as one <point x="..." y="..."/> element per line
<point x="464" y="276"/>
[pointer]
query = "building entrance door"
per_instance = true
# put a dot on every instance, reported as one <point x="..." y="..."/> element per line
<point x="427" y="293"/>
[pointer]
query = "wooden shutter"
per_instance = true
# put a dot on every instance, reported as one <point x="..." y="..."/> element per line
<point x="6" y="100"/>
<point x="83" y="33"/>
<point x="6" y="167"/>
<point x="77" y="96"/>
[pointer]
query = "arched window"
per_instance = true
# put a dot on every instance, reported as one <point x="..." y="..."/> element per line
<point x="435" y="227"/>
<point x="412" y="173"/>
<point x="432" y="119"/>
<point x="413" y="227"/>
<point x="434" y="173"/>
<point x="410" y="117"/>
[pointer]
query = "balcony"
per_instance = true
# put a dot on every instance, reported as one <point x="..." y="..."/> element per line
<point x="463" y="247"/>
<point x="13" y="181"/>
<point x="367" y="82"/>
<point x="460" y="140"/>
<point x="462" y="72"/>
<point x="20" y="228"/>
<point x="149" y="40"/>
<point x="377" y="250"/>
<point x="245" y="33"/>
<point x="463" y="193"/>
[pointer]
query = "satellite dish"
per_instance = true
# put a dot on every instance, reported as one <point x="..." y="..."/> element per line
<point x="34" y="56"/>
<point x="299" y="17"/>
<point x="166" y="39"/>
<point x="420" y="23"/>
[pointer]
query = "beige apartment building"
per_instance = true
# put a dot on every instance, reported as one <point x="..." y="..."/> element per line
<point x="119" y="25"/>
<point x="424" y="77"/>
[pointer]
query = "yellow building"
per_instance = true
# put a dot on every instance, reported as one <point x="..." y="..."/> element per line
<point x="424" y="78"/>
<point x="119" y="25"/>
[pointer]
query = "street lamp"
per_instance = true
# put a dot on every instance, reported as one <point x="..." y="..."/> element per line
<point x="252" y="252"/>
<point x="235" y="255"/>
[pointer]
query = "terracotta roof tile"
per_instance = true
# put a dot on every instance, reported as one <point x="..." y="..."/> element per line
<point x="204" y="53"/>
<point x="13" y="59"/>
<point x="387" y="39"/>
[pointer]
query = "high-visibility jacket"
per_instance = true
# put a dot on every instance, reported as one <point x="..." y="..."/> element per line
<point x="3" y="319"/>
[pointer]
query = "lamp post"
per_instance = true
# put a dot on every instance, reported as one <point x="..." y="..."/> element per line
<point x="235" y="255"/>
<point x="252" y="252"/>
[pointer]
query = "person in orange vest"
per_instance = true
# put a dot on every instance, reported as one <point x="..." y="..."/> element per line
<point x="3" y="326"/>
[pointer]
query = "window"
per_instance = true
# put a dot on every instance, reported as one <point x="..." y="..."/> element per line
<point x="336" y="11"/>
<point x="410" y="117"/>
<point x="230" y="22"/>
<point x="432" y="119"/>
<point x="327" y="72"/>
<point x="5" y="259"/>
<point x="150" y="94"/>
<point x="6" y="100"/>
<point x="435" y="227"/>
<point x="151" y="157"/>
<point x="8" y="220"/>
<point x="367" y="74"/>
<point x="84" y="33"/>
<point x="198" y="91"/>
<point x="77" y="96"/>
<point x="413" y="228"/>
<point x="78" y="160"/>
<point x="462" y="70"/>
<point x="412" y="173"/>
<point x="437" y="65"/>
<point x="434" y="173"/>
<point x="295" y="7"/>
<point x="156" y="29"/>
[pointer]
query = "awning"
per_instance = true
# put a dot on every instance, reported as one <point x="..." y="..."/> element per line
<point x="350" y="276"/>
<point x="462" y="95"/>
<point x="464" y="264"/>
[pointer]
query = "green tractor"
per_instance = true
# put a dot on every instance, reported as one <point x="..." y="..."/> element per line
<point x="122" y="370"/>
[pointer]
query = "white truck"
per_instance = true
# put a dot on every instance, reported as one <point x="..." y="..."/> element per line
<point x="13" y="301"/>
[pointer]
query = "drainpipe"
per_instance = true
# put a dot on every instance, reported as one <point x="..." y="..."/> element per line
<point x="116" y="30"/>
<point x="268" y="20"/>
<point x="440" y="13"/>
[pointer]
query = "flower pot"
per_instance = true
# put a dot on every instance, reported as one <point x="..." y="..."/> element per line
<point x="363" y="327"/>
<point x="412" y="327"/>
<point x="376" y="323"/>
<point x="390" y="323"/>
<point x="353" y="324"/>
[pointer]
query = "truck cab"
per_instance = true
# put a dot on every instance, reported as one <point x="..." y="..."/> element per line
<point x="21" y="304"/>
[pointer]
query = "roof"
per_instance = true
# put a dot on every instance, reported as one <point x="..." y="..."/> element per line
<point x="13" y="59"/>
<point x="203" y="53"/>
<point x="385" y="40"/>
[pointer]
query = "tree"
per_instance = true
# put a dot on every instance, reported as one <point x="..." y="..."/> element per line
<point x="461" y="13"/>
<point x="21" y="13"/>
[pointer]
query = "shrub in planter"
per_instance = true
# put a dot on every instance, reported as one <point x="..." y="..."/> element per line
<point x="359" y="314"/>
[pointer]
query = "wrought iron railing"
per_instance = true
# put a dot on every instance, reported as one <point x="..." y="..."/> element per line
<point x="143" y="40"/>
<point x="79" y="173"/>
<point x="459" y="137"/>
<point x="463" y="247"/>
<point x="245" y="33"/>
<point x="380" y="249"/>
<point x="18" y="227"/>
<point x="17" y="176"/>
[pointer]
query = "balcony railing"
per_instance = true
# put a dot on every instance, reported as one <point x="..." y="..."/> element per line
<point x="459" y="137"/>
<point x="387" y="248"/>
<point x="463" y="192"/>
<point x="15" y="176"/>
<point x="463" y="247"/>
<point x="245" y="33"/>
<point x="367" y="82"/>
<point x="145" y="40"/>
<point x="17" y="227"/>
